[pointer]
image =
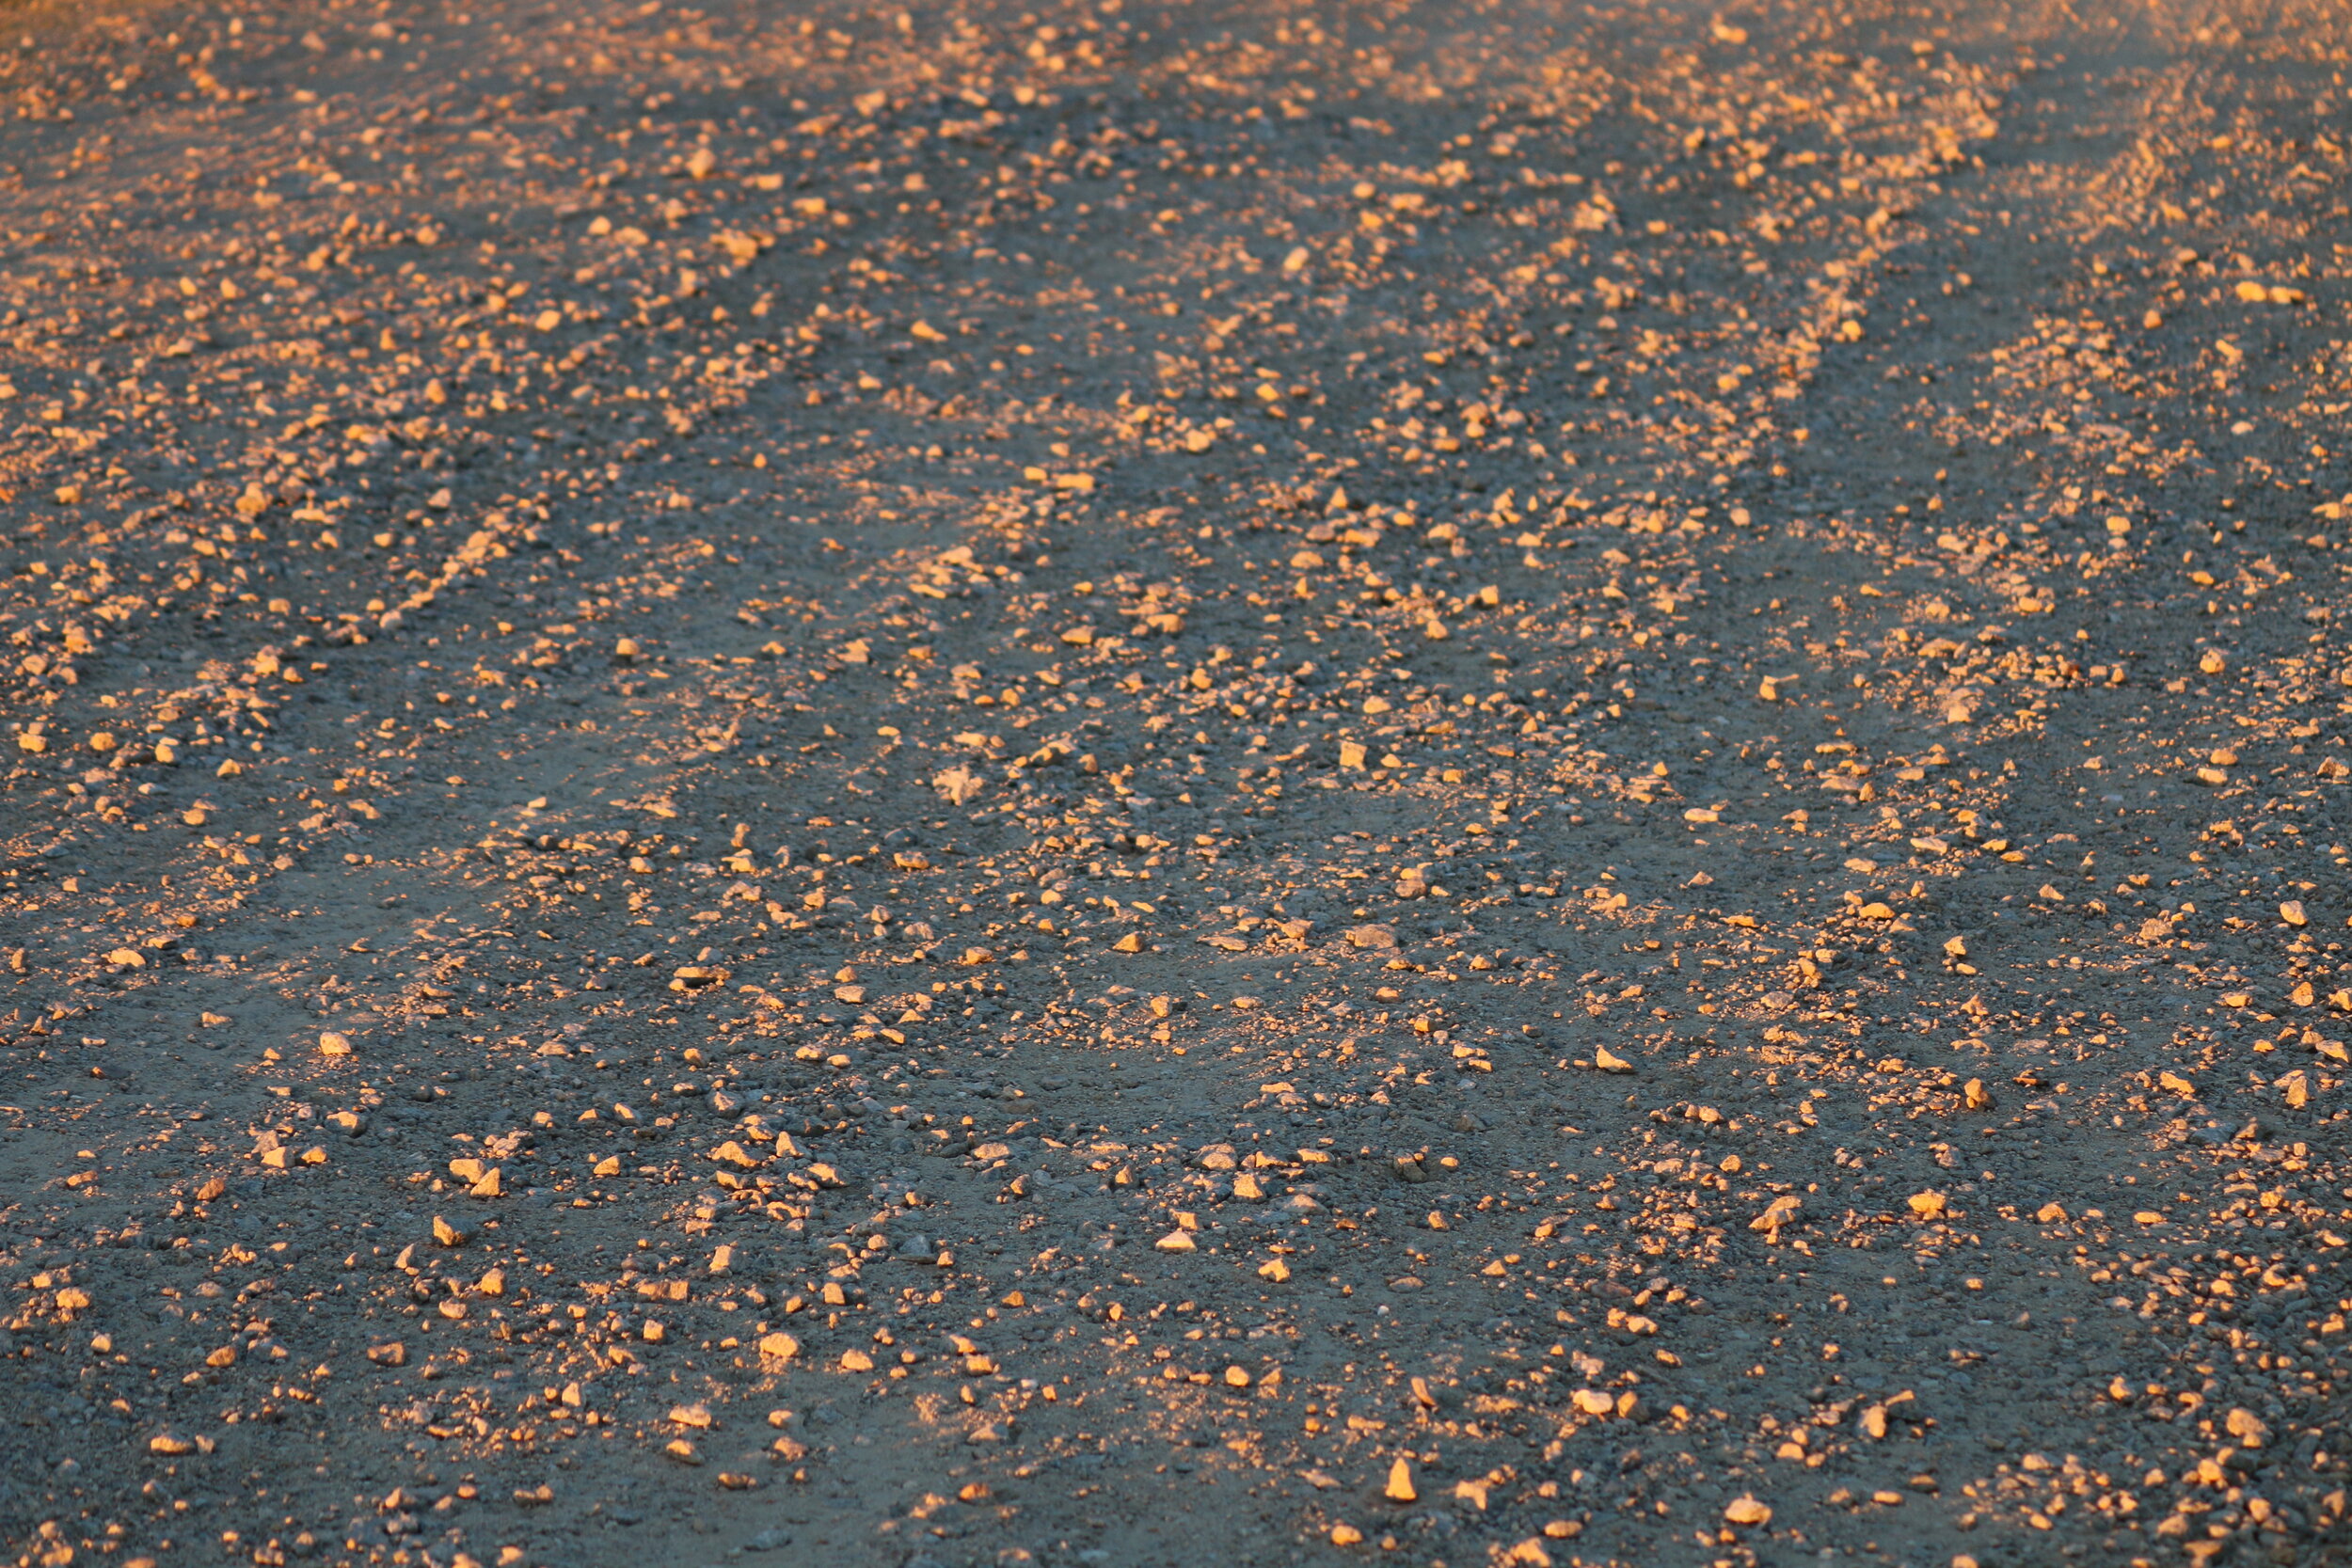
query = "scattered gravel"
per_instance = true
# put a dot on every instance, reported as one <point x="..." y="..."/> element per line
<point x="1149" y="785"/>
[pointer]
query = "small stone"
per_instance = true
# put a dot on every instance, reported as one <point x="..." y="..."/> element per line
<point x="1275" y="1270"/>
<point x="682" y="1452"/>
<point x="449" y="1235"/>
<point x="1400" y="1488"/>
<point x="334" y="1044"/>
<point x="778" y="1346"/>
<point x="392" y="1352"/>
<point x="1745" y="1509"/>
<point x="1346" y="1535"/>
<point x="1927" y="1206"/>
<point x="1236" y="1377"/>
<point x="1175" y="1240"/>
<point x="1609" y="1061"/>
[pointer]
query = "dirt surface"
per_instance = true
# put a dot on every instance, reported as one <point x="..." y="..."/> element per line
<point x="1164" y="784"/>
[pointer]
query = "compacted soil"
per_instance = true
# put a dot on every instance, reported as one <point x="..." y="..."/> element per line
<point x="1146" y="783"/>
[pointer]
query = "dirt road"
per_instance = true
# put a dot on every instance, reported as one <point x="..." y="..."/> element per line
<point x="1164" y="784"/>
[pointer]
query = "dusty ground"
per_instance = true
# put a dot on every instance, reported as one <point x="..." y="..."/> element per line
<point x="1174" y="785"/>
